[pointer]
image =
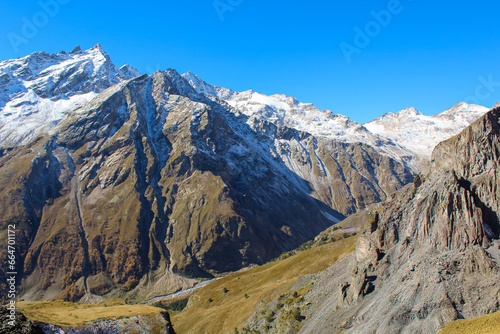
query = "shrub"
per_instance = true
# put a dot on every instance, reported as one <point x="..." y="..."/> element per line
<point x="296" y="315"/>
<point x="177" y="305"/>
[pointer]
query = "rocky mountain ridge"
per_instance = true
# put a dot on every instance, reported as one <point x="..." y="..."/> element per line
<point x="433" y="254"/>
<point x="407" y="135"/>
<point x="40" y="90"/>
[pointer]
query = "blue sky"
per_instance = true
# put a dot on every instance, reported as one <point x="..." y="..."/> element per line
<point x="357" y="58"/>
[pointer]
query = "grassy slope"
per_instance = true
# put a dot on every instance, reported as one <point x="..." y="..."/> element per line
<point x="74" y="314"/>
<point x="227" y="310"/>
<point x="211" y="310"/>
<point x="488" y="324"/>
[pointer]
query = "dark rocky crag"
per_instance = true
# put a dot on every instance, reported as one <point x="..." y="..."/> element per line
<point x="22" y="325"/>
<point x="433" y="254"/>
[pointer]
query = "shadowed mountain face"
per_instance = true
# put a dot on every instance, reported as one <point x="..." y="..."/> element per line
<point x="151" y="180"/>
<point x="432" y="256"/>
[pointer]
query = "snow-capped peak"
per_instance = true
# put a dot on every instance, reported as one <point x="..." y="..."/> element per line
<point x="204" y="88"/>
<point x="37" y="91"/>
<point x="402" y="114"/>
<point x="129" y="71"/>
<point x="420" y="133"/>
<point x="279" y="109"/>
<point x="408" y="112"/>
<point x="463" y="109"/>
<point x="199" y="85"/>
<point x="407" y="133"/>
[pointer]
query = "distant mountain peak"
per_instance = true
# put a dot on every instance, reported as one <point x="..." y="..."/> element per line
<point x="199" y="85"/>
<point x="419" y="133"/>
<point x="97" y="47"/>
<point x="130" y="70"/>
<point x="408" y="112"/>
<point x="464" y="109"/>
<point x="76" y="49"/>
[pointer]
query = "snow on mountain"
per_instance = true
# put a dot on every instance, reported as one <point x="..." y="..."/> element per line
<point x="39" y="91"/>
<point x="202" y="87"/>
<point x="407" y="135"/>
<point x="287" y="111"/>
<point x="420" y="133"/>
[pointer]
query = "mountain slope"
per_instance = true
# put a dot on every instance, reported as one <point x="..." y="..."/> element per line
<point x="487" y="324"/>
<point x="40" y="90"/>
<point x="147" y="181"/>
<point x="211" y="310"/>
<point x="346" y="166"/>
<point x="432" y="256"/>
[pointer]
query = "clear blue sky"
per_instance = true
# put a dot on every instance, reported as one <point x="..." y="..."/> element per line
<point x="428" y="54"/>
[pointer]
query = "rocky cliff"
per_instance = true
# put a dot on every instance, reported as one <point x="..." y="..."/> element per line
<point x="431" y="256"/>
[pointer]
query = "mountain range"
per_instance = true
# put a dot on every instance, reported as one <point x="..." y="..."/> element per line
<point x="128" y="185"/>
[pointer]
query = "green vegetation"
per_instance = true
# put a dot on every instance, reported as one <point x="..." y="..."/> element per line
<point x="169" y="305"/>
<point x="225" y="304"/>
<point x="335" y="233"/>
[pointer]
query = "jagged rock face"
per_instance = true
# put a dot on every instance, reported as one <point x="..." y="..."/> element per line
<point x="148" y="180"/>
<point x="346" y="166"/>
<point x="22" y="325"/>
<point x="407" y="136"/>
<point x="432" y="255"/>
<point x="348" y="177"/>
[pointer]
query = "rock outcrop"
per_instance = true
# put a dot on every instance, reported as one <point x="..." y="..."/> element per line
<point x="433" y="254"/>
<point x="14" y="322"/>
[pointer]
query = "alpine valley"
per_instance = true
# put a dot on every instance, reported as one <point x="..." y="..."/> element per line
<point x="130" y="186"/>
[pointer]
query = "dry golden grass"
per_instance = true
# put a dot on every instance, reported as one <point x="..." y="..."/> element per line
<point x="224" y="304"/>
<point x="488" y="324"/>
<point x="75" y="314"/>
